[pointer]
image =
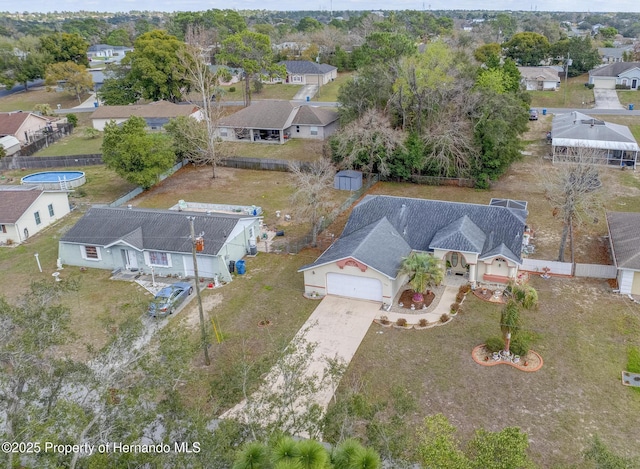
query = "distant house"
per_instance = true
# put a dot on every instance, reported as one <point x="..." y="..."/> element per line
<point x="23" y="125"/>
<point x="142" y="240"/>
<point x="105" y="53"/>
<point x="611" y="55"/>
<point x="612" y="144"/>
<point x="624" y="238"/>
<point x="481" y="242"/>
<point x="305" y="72"/>
<point x="24" y="212"/>
<point x="539" y="78"/>
<point x="156" y="114"/>
<point x="619" y="73"/>
<point x="276" y="121"/>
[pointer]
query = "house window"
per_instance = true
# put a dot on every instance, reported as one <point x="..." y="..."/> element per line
<point x="223" y="132"/>
<point x="297" y="128"/>
<point x="454" y="259"/>
<point x="296" y="79"/>
<point x="314" y="131"/>
<point x="51" y="212"/>
<point x="37" y="217"/>
<point x="91" y="253"/>
<point x="160" y="259"/>
<point x="3" y="229"/>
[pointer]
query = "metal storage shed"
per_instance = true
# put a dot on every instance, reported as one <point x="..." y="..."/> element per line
<point x="348" y="180"/>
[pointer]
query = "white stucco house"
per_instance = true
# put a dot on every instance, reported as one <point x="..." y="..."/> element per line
<point x="618" y="73"/>
<point x="26" y="211"/>
<point x="483" y="242"/>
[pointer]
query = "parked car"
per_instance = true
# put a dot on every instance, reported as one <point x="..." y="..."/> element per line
<point x="169" y="298"/>
<point x="533" y="114"/>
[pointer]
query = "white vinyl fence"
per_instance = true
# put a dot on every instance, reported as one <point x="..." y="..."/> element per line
<point x="596" y="271"/>
<point x="540" y="266"/>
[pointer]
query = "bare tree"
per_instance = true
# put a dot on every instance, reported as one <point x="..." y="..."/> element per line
<point x="205" y="92"/>
<point x="573" y="192"/>
<point x="312" y="198"/>
<point x="368" y="143"/>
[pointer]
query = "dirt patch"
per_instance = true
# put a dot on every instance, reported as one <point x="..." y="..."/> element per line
<point x="191" y="315"/>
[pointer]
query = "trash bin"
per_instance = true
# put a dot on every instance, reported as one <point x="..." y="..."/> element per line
<point x="280" y="233"/>
<point x="544" y="111"/>
<point x="308" y="98"/>
<point x="95" y="104"/>
<point x="241" y="267"/>
<point x="631" y="107"/>
<point x="232" y="266"/>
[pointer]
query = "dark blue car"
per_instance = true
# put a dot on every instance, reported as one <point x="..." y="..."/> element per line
<point x="169" y="298"/>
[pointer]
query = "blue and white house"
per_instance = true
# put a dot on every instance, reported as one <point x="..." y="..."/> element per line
<point x="618" y="73"/>
<point x="140" y="240"/>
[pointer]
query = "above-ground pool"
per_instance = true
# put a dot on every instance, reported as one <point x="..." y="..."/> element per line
<point x="53" y="180"/>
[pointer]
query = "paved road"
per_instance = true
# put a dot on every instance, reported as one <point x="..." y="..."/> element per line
<point x="593" y="111"/>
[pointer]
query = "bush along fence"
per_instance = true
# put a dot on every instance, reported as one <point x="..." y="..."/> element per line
<point x="324" y="240"/>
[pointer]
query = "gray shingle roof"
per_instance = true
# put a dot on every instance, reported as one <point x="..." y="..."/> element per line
<point x="311" y="115"/>
<point x="364" y="244"/>
<point x="306" y="67"/>
<point x="155" y="230"/>
<point x="624" y="229"/>
<point x="158" y="109"/>
<point x="266" y="114"/>
<point x="614" y="69"/>
<point x="277" y="115"/>
<point x="423" y="225"/>
<point x="535" y="73"/>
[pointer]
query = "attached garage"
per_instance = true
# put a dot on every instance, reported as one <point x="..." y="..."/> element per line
<point x="354" y="287"/>
<point x="635" y="286"/>
<point x="205" y="266"/>
<point x="604" y="83"/>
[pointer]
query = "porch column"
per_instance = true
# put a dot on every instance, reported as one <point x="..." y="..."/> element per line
<point x="487" y="268"/>
<point x="512" y="271"/>
<point x="472" y="275"/>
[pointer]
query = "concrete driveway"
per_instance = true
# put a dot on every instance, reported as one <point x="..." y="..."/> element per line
<point x="336" y="328"/>
<point x="607" y="99"/>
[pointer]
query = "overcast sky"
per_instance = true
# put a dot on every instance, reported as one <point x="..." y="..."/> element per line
<point x="201" y="5"/>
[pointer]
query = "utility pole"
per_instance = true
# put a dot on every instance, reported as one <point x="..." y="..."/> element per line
<point x="205" y="344"/>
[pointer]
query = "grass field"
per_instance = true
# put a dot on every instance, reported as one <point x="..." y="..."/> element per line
<point x="26" y="100"/>
<point x="572" y="94"/>
<point x="629" y="97"/>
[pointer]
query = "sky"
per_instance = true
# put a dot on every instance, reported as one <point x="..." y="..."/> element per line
<point x="201" y="5"/>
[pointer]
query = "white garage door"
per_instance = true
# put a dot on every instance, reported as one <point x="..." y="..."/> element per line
<point x="354" y="287"/>
<point x="604" y="83"/>
<point x="205" y="266"/>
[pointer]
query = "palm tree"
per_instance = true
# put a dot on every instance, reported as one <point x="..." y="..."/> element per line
<point x="423" y="270"/>
<point x="509" y="322"/>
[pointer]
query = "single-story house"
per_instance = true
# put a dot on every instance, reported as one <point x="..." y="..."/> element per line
<point x="156" y="114"/>
<point x="276" y="121"/>
<point x="539" y="78"/>
<point x="159" y="240"/>
<point x="305" y="72"/>
<point x="611" y="55"/>
<point x="25" y="126"/>
<point x="624" y="239"/>
<point x="106" y="53"/>
<point x="26" y="211"/>
<point x="618" y="73"/>
<point x="483" y="242"/>
<point x="610" y="143"/>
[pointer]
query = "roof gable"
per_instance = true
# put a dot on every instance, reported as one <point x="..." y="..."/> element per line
<point x="460" y="235"/>
<point x="614" y="69"/>
<point x="13" y="204"/>
<point x="154" y="230"/>
<point x="311" y="115"/>
<point x="10" y="122"/>
<point x="419" y="221"/>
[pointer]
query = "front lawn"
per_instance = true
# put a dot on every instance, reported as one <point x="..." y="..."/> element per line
<point x="629" y="97"/>
<point x="572" y="94"/>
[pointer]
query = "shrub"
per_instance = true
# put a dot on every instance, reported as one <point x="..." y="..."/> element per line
<point x="623" y="87"/>
<point x="494" y="344"/>
<point x="232" y="89"/>
<point x="589" y="86"/>
<point x="44" y="109"/>
<point x="520" y="344"/>
<point x="401" y="322"/>
<point x="72" y="119"/>
<point x="455" y="307"/>
<point x="464" y="289"/>
<point x="423" y="322"/>
<point x="459" y="297"/>
<point x="444" y="317"/>
<point x="384" y="320"/>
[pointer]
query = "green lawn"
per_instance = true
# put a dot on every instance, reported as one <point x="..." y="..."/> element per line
<point x="275" y="91"/>
<point x="329" y="92"/>
<point x="26" y="101"/>
<point x="571" y="94"/>
<point x="629" y="97"/>
<point x="294" y="149"/>
<point x="75" y="144"/>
